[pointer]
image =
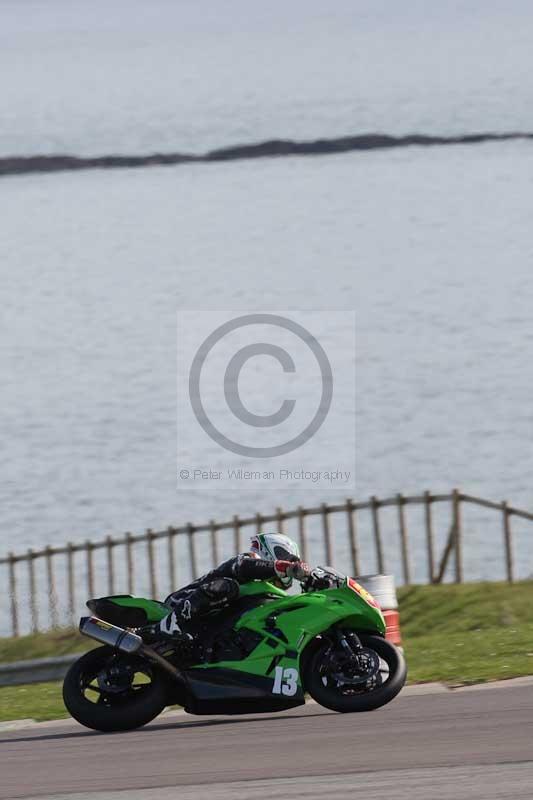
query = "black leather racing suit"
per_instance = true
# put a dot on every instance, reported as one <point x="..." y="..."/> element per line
<point x="215" y="590"/>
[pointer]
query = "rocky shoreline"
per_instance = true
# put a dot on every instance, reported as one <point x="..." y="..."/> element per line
<point x="21" y="165"/>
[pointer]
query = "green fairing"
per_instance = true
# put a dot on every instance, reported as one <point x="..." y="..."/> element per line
<point x="299" y="618"/>
<point x="155" y="611"/>
<point x="261" y="587"/>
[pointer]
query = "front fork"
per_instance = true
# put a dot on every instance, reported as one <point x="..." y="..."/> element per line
<point x="350" y="643"/>
<point x="355" y="655"/>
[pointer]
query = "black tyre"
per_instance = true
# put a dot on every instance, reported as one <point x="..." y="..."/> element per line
<point x="331" y="688"/>
<point x="111" y="691"/>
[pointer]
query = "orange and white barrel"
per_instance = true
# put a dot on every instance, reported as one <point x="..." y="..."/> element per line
<point x="383" y="589"/>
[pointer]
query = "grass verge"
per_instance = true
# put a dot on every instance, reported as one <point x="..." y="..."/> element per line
<point x="41" y="645"/>
<point x="39" y="701"/>
<point x="456" y="634"/>
<point x="467" y="634"/>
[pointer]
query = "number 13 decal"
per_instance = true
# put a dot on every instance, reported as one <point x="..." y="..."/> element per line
<point x="285" y="681"/>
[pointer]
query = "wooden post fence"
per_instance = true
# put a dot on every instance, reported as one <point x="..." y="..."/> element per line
<point x="302" y="533"/>
<point x="110" y="566"/>
<point x="377" y="534"/>
<point x="171" y="561"/>
<point x="89" y="547"/>
<point x="52" y="596"/>
<point x="214" y="543"/>
<point x="328" y="544"/>
<point x="192" y="551"/>
<point x="403" y="540"/>
<point x="151" y="562"/>
<point x="71" y="584"/>
<point x="32" y="589"/>
<point x="13" y="595"/>
<point x="129" y="563"/>
<point x="458" y="544"/>
<point x="352" y="534"/>
<point x="338" y="539"/>
<point x="280" y="521"/>
<point x="428" y="518"/>
<point x="508" y="542"/>
<point x="236" y="534"/>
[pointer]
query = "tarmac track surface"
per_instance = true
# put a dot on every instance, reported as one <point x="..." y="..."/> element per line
<point x="472" y="743"/>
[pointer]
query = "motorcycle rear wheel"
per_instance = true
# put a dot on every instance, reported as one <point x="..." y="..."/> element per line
<point x="138" y="695"/>
<point x="346" y="697"/>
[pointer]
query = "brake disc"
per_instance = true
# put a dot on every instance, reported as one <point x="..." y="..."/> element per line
<point x="363" y="668"/>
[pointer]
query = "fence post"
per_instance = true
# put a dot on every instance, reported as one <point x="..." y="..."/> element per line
<point x="236" y="534"/>
<point x="258" y="523"/>
<point x="90" y="568"/>
<point x="377" y="534"/>
<point x="13" y="595"/>
<point x="446" y="555"/>
<point x="151" y="562"/>
<point x="403" y="540"/>
<point x="279" y="519"/>
<point x="171" y="532"/>
<point x="192" y="551"/>
<point x="302" y="534"/>
<point x="327" y="534"/>
<point x="129" y="562"/>
<point x="214" y="542"/>
<point x="456" y="500"/>
<point x="110" y="567"/>
<point x="52" y="597"/>
<point x="429" y="536"/>
<point x="352" y="533"/>
<point x="508" y="541"/>
<point x="70" y="582"/>
<point x="33" y="592"/>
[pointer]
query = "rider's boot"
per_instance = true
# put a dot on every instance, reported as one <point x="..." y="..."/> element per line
<point x="189" y="606"/>
<point x="168" y="629"/>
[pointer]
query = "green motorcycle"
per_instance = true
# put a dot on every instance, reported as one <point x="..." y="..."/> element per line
<point x="261" y="655"/>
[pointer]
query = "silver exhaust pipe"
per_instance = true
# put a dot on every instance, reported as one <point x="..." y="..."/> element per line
<point x="111" y="635"/>
<point x="126" y="641"/>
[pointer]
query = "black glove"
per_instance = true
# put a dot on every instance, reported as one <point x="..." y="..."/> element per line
<point x="318" y="579"/>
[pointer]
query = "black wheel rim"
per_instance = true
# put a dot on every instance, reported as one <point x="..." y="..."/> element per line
<point x="115" y="682"/>
<point x="349" y="684"/>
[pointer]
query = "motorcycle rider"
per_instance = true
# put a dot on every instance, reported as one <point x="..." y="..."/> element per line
<point x="272" y="556"/>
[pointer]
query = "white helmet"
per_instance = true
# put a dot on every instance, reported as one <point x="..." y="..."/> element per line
<point x="275" y="547"/>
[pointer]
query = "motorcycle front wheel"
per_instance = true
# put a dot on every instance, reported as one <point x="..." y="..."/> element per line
<point x="110" y="691"/>
<point x="332" y="682"/>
